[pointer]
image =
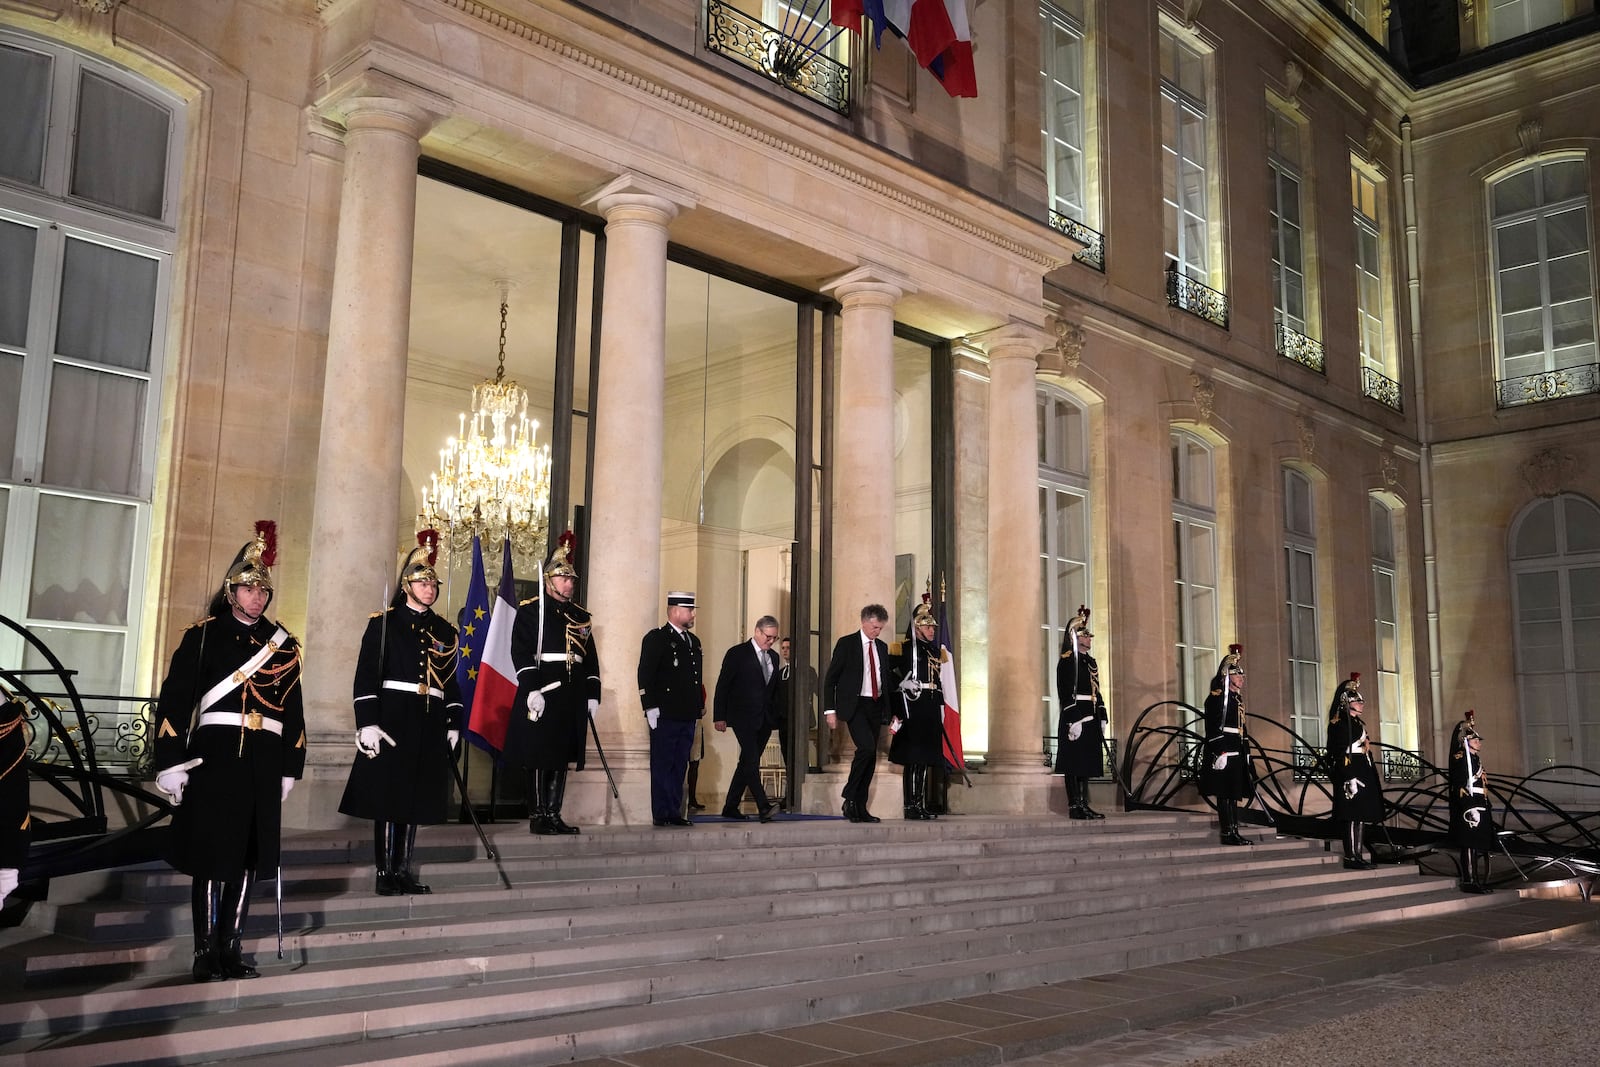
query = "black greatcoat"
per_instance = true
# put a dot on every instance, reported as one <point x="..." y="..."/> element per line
<point x="1469" y="791"/>
<point x="1078" y="675"/>
<point x="1347" y="732"/>
<point x="920" y="739"/>
<point x="1225" y="734"/>
<point x="229" y="819"/>
<point x="13" y="785"/>
<point x="408" y="781"/>
<point x="566" y="670"/>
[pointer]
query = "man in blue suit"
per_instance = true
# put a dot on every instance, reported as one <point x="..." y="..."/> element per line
<point x="746" y="687"/>
<point x="855" y="689"/>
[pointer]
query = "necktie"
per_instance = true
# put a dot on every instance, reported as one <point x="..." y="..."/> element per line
<point x="766" y="666"/>
<point x="872" y="665"/>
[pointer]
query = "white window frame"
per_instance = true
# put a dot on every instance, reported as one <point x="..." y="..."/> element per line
<point x="1510" y="19"/>
<point x="1372" y="332"/>
<point x="1054" y="482"/>
<point x="1396" y="716"/>
<point x="1057" y="89"/>
<point x="1304" y="664"/>
<point x="1193" y="510"/>
<point x="1194" y="263"/>
<point x="1282" y="169"/>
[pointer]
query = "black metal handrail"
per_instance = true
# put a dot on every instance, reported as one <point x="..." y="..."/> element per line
<point x="796" y="64"/>
<point x="1197" y="298"/>
<point x="1381" y="387"/>
<point x="1093" y="253"/>
<point x="1548" y="385"/>
<point x="1296" y="346"/>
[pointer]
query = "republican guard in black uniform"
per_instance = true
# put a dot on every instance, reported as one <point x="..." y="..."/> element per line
<point x="230" y="735"/>
<point x="1225" y="771"/>
<point x="1357" y="790"/>
<point x="917" y="724"/>
<point x="408" y="719"/>
<point x="558" y="688"/>
<point x="1471" y="811"/>
<point x="14" y="816"/>
<point x="672" y="690"/>
<point x="1080" y="726"/>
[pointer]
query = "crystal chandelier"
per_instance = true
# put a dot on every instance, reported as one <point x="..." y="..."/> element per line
<point x="493" y="480"/>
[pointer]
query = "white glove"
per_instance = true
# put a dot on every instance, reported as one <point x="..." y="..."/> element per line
<point x="594" y="706"/>
<point x="652" y="716"/>
<point x="895" y="724"/>
<point x="1221" y="762"/>
<point x="369" y="738"/>
<point x="174" y="780"/>
<point x="1473" y="816"/>
<point x="288" y="784"/>
<point x="1351" y="787"/>
<point x="8" y="882"/>
<point x="454" y="737"/>
<point x="909" y="685"/>
<point x="535" y="705"/>
<point x="1075" y="731"/>
<point x="831" y="719"/>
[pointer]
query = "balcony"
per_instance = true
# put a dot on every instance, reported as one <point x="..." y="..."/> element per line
<point x="1296" y="346"/>
<point x="1093" y="241"/>
<point x="1202" y="301"/>
<point x="796" y="63"/>
<point x="1547" y="385"/>
<point x="1383" y="389"/>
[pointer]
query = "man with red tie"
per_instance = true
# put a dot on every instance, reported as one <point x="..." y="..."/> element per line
<point x="854" y="690"/>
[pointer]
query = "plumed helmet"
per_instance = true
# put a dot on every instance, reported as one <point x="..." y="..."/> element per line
<point x="560" y="563"/>
<point x="419" y="562"/>
<point x="923" y="616"/>
<point x="1080" y="622"/>
<point x="253" y="564"/>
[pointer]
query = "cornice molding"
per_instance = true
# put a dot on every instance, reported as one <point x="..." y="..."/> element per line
<point x="638" y="82"/>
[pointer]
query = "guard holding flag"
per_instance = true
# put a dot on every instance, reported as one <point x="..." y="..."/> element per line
<point x="230" y="733"/>
<point x="1080" y="726"/>
<point x="558" y="688"/>
<point x="408" y="719"/>
<point x="917" y="723"/>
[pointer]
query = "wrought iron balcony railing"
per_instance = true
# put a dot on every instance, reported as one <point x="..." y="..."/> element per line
<point x="1292" y="344"/>
<point x="1381" y="387"/>
<point x="1186" y="294"/>
<point x="797" y="64"/>
<point x="1093" y="241"/>
<point x="1548" y="385"/>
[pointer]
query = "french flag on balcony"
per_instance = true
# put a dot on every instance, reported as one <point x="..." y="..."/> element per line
<point x="937" y="32"/>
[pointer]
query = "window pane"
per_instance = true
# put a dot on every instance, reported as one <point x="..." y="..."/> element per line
<point x="10" y="406"/>
<point x="107" y="305"/>
<point x="121" y="155"/>
<point x="1202" y="555"/>
<point x="1567" y="232"/>
<point x="82" y="560"/>
<point x="1569" y="278"/>
<point x="16" y="279"/>
<point x="1582" y="524"/>
<point x="94" y="654"/>
<point x="94" y="436"/>
<point x="25" y="81"/>
<point x="1518" y="244"/>
<point x="1583" y="590"/>
<point x="1517" y="193"/>
<point x="1564" y="180"/>
<point x="1537" y="534"/>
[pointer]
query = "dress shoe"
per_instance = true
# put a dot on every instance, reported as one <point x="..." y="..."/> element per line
<point x="659" y="823"/>
<point x="1078" y="812"/>
<point x="1090" y="813"/>
<point x="680" y="822"/>
<point x="1233" y="837"/>
<point x="863" y="815"/>
<point x="1475" y="887"/>
<point x="849" y="811"/>
<point x="768" y="813"/>
<point x="695" y="805"/>
<point x="1357" y="865"/>
<point x="734" y="816"/>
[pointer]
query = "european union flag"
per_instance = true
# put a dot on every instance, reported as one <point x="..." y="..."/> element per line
<point x="474" y="628"/>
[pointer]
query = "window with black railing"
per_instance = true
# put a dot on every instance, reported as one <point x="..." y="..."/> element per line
<point x="795" y="46"/>
<point x="1093" y="253"/>
<point x="1380" y="387"/>
<point x="1296" y="346"/>
<point x="1197" y="298"/>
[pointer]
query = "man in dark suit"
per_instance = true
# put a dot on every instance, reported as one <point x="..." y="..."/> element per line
<point x="746" y="687"/>
<point x="673" y="694"/>
<point x="855" y="689"/>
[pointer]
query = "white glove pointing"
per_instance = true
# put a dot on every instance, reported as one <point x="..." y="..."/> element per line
<point x="535" y="705"/>
<point x="1075" y="731"/>
<point x="8" y="882"/>
<point x="174" y="780"/>
<point x="369" y="738"/>
<point x="909" y="685"/>
<point x="454" y="737"/>
<point x="895" y="724"/>
<point x="652" y="716"/>
<point x="1222" y="761"/>
<point x="288" y="784"/>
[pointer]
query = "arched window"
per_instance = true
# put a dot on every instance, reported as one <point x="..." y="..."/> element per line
<point x="88" y="174"/>
<point x="1300" y="583"/>
<point x="1555" y="588"/>
<point x="1063" y="432"/>
<point x="1194" y="534"/>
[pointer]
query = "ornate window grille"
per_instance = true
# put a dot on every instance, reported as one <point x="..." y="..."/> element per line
<point x="1186" y="294"/>
<point x="1093" y="241"/>
<point x="1381" y="387"/>
<point x="1292" y="344"/>
<point x="1401" y="765"/>
<point x="1548" y="385"/>
<point x="794" y="62"/>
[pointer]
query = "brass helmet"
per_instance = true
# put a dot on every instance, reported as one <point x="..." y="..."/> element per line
<point x="560" y="562"/>
<point x="1469" y="726"/>
<point x="923" y="615"/>
<point x="251" y="566"/>
<point x="1350" y="690"/>
<point x="419" y="563"/>
<point x="1230" y="664"/>
<point x="1080" y="622"/>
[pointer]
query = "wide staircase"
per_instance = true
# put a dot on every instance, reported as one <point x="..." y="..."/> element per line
<point x="623" y="939"/>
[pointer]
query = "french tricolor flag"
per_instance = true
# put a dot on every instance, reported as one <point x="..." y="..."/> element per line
<point x="497" y="678"/>
<point x="937" y="32"/>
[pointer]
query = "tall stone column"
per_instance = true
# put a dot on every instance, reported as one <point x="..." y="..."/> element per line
<point x="1014" y="609"/>
<point x="357" y="496"/>
<point x="863" y="433"/>
<point x="624" y="553"/>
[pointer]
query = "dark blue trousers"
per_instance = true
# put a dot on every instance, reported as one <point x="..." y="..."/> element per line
<point x="669" y="762"/>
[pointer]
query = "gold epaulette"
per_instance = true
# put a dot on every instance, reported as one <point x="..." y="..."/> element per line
<point x="896" y="647"/>
<point x="200" y="622"/>
<point x="524" y="603"/>
<point x="377" y="614"/>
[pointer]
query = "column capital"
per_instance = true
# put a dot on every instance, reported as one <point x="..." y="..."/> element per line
<point x="638" y="198"/>
<point x="1014" y="340"/>
<point x="369" y="98"/>
<point x="870" y="283"/>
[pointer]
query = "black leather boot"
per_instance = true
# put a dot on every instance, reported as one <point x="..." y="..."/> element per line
<point x="405" y="846"/>
<point x="1470" y="881"/>
<point x="910" y="809"/>
<point x="555" y="794"/>
<point x="203" y="903"/>
<point x="1352" y="848"/>
<point x="1083" y="791"/>
<point x="382" y="853"/>
<point x="919" y="790"/>
<point x="538" y="811"/>
<point x="936" y="800"/>
<point x="235" y="907"/>
<point x="1074" y="801"/>
<point x="1228" y="815"/>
